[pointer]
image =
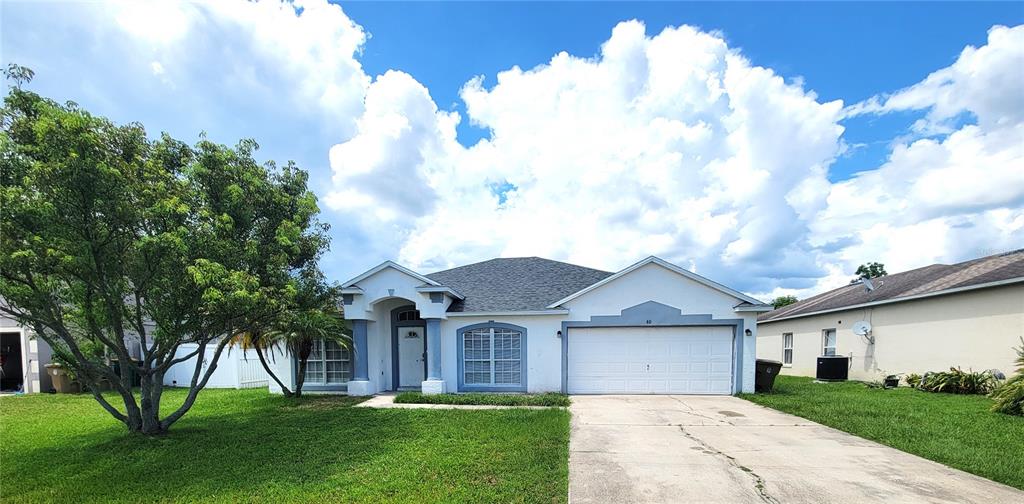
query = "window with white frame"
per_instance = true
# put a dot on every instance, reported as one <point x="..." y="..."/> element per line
<point x="492" y="356"/>
<point x="787" y="349"/>
<point x="828" y="342"/>
<point x="329" y="364"/>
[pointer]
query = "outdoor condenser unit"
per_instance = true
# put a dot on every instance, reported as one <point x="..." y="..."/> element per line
<point x="833" y="368"/>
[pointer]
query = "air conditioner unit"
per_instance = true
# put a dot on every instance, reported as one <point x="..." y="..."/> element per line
<point x="833" y="368"/>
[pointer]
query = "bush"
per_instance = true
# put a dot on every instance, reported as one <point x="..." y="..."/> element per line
<point x="913" y="380"/>
<point x="958" y="381"/>
<point x="1009" y="396"/>
<point x="546" y="399"/>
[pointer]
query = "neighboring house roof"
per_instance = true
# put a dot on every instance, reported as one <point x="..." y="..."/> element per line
<point x="748" y="303"/>
<point x="515" y="283"/>
<point x="934" y="280"/>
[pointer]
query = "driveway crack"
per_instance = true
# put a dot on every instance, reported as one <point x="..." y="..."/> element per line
<point x="691" y="411"/>
<point x="759" y="483"/>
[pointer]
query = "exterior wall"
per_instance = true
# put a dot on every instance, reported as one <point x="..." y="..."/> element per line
<point x="281" y="362"/>
<point x="974" y="329"/>
<point x="652" y="282"/>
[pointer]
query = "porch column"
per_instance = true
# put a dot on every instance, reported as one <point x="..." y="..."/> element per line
<point x="360" y="384"/>
<point x="360" y="366"/>
<point x="434" y="383"/>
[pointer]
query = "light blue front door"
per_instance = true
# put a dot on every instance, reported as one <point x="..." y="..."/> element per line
<point x="410" y="357"/>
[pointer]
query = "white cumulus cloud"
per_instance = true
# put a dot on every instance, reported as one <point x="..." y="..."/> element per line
<point x="675" y="144"/>
<point x="670" y="143"/>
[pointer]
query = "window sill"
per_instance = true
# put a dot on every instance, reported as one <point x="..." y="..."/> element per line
<point x="492" y="388"/>
<point x="317" y="387"/>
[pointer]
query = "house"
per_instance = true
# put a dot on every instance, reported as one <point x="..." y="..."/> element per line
<point x="23" y="360"/>
<point x="969" y="314"/>
<point x="537" y="325"/>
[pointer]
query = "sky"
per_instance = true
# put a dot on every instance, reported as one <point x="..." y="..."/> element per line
<point x="771" y="147"/>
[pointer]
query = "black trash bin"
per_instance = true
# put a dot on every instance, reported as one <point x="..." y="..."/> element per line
<point x="764" y="378"/>
<point x="134" y="377"/>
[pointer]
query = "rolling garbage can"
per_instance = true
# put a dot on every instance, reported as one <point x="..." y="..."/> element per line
<point x="62" y="382"/>
<point x="766" y="371"/>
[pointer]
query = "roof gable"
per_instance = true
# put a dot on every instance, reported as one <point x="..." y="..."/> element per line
<point x="739" y="296"/>
<point x="392" y="265"/>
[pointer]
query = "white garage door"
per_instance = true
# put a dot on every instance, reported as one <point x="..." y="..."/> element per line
<point x="650" y="360"/>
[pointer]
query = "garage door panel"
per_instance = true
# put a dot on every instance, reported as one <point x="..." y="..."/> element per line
<point x="646" y="360"/>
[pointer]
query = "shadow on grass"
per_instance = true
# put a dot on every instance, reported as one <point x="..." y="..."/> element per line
<point x="230" y="454"/>
<point x="235" y="448"/>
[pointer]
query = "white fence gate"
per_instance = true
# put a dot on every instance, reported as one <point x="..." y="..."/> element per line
<point x="251" y="373"/>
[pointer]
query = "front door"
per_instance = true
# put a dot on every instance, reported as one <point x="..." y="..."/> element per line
<point x="411" y="347"/>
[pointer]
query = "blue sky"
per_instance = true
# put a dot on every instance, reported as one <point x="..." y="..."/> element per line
<point x="772" y="147"/>
<point x="843" y="50"/>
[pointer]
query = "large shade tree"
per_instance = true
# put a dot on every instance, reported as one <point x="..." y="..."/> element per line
<point x="116" y="249"/>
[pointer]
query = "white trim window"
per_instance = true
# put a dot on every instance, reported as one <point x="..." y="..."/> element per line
<point x="329" y="363"/>
<point x="787" y="349"/>
<point x="828" y="342"/>
<point x="492" y="356"/>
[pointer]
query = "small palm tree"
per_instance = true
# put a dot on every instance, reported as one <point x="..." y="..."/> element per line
<point x="315" y="314"/>
<point x="302" y="328"/>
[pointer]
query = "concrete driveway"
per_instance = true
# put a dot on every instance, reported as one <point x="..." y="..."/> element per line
<point x="722" y="449"/>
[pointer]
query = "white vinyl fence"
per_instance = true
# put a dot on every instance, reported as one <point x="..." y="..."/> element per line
<point x="236" y="369"/>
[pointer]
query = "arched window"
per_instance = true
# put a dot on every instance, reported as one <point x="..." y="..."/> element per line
<point x="492" y="357"/>
<point x="408" y="315"/>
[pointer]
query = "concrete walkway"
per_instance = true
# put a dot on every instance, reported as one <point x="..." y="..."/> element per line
<point x="678" y="449"/>
<point x="388" y="401"/>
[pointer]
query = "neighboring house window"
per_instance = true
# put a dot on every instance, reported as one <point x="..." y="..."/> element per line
<point x="787" y="349"/>
<point x="329" y="364"/>
<point x="493" y="356"/>
<point x="828" y="344"/>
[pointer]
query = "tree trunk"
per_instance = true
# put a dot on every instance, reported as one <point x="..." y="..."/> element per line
<point x="266" y="367"/>
<point x="300" y="375"/>
<point x="150" y="405"/>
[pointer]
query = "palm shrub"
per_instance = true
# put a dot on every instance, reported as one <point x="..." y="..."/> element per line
<point x="958" y="381"/>
<point x="1009" y="397"/>
<point x="314" y="314"/>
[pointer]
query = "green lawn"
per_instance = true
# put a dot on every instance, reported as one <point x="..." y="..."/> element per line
<point x="246" y="445"/>
<point x="956" y="430"/>
<point x="547" y="399"/>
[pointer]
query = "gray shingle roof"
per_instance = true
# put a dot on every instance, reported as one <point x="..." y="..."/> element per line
<point x="515" y="284"/>
<point x="927" y="280"/>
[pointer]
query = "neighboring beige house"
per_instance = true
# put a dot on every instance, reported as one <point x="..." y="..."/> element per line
<point x="969" y="314"/>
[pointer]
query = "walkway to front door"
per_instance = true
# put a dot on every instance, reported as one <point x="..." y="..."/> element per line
<point x="682" y="449"/>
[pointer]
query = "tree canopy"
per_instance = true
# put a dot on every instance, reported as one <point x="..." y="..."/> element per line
<point x="781" y="301"/>
<point x="869" y="270"/>
<point x="120" y="248"/>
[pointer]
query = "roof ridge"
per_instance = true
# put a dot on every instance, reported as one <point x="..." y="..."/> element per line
<point x="515" y="258"/>
<point x="932" y="279"/>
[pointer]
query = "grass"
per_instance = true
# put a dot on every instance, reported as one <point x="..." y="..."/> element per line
<point x="956" y="430"/>
<point x="546" y="399"/>
<point x="247" y="445"/>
